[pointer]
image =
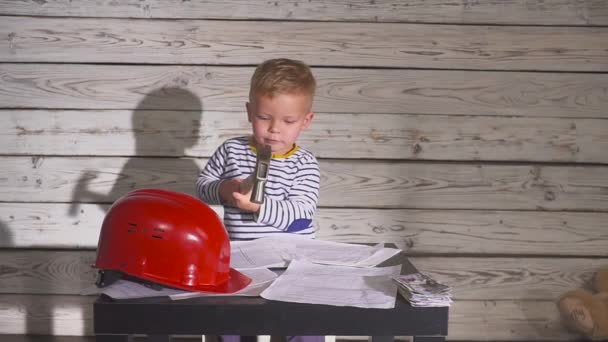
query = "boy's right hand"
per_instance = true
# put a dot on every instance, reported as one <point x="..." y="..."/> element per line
<point x="227" y="188"/>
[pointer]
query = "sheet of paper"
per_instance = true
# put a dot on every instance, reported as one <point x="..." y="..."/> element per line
<point x="278" y="251"/>
<point x="265" y="252"/>
<point x="344" y="254"/>
<point x="306" y="282"/>
<point x="124" y="289"/>
<point x="261" y="278"/>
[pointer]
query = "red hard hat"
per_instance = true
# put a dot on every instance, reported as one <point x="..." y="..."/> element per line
<point x="169" y="238"/>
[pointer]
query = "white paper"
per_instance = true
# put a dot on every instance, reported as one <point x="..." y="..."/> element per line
<point x="344" y="254"/>
<point x="278" y="251"/>
<point x="124" y="289"/>
<point x="306" y="282"/>
<point x="264" y="252"/>
<point x="261" y="278"/>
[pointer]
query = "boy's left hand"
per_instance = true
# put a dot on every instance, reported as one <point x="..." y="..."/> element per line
<point x="243" y="201"/>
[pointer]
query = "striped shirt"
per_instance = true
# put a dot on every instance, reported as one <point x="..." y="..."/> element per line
<point x="291" y="194"/>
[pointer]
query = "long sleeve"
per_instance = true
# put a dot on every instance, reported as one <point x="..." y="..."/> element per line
<point x="210" y="178"/>
<point x="296" y="212"/>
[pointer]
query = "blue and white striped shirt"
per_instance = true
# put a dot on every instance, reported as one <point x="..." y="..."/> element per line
<point x="292" y="190"/>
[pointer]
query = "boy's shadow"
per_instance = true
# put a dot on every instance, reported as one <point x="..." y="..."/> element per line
<point x="158" y="131"/>
<point x="6" y="236"/>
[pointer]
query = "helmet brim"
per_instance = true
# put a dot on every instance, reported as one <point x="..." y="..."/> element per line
<point x="236" y="282"/>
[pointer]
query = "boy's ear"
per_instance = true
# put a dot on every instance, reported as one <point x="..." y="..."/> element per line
<point x="248" y="108"/>
<point x="308" y="119"/>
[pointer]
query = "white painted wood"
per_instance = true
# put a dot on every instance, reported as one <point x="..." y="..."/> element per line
<point x="518" y="278"/>
<point x="106" y="40"/>
<point x="472" y="278"/>
<point x="75" y="86"/>
<point x="370" y="136"/>
<point x="409" y="155"/>
<point x="494" y="320"/>
<point x="507" y="321"/>
<point x="344" y="183"/>
<point x="534" y="12"/>
<point x="469" y="232"/>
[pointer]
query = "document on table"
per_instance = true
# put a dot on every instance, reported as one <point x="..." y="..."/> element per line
<point x="278" y="251"/>
<point x="125" y="289"/>
<point x="264" y="252"/>
<point x="306" y="282"/>
<point x="261" y="278"/>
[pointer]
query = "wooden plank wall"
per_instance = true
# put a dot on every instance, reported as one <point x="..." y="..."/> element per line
<point x="473" y="134"/>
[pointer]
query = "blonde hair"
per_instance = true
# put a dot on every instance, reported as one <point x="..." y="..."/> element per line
<point x="282" y="76"/>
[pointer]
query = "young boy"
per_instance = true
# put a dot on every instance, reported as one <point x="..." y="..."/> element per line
<point x="279" y="109"/>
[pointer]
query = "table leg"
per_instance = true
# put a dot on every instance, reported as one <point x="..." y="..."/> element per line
<point x="428" y="338"/>
<point x="113" y="338"/>
<point x="382" y="338"/>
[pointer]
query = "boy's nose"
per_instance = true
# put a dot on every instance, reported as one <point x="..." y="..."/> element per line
<point x="274" y="127"/>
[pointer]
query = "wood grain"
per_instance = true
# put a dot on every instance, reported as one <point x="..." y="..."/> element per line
<point x="519" y="12"/>
<point x="418" y="232"/>
<point x="344" y="183"/>
<point x="370" y="136"/>
<point x="517" y="278"/>
<point x="71" y="40"/>
<point x="47" y="272"/>
<point x="368" y="91"/>
<point x="494" y="320"/>
<point x="70" y="272"/>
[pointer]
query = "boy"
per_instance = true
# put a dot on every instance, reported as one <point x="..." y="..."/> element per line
<point x="279" y="109"/>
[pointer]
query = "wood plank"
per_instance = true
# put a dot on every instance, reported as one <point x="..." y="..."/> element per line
<point x="507" y="321"/>
<point x="493" y="320"/>
<point x="418" y="232"/>
<point x="47" y="272"/>
<point x="371" y="136"/>
<point x="470" y="232"/>
<point x="69" y="86"/>
<point x="519" y="278"/>
<point x="519" y="12"/>
<point x="472" y="278"/>
<point x="73" y="40"/>
<point x="344" y="183"/>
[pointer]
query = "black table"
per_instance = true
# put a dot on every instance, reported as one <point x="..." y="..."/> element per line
<point x="160" y="317"/>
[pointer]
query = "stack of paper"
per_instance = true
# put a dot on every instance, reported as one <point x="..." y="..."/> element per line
<point x="423" y="291"/>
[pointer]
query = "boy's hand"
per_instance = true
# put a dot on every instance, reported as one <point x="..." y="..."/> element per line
<point x="243" y="201"/>
<point x="227" y="188"/>
<point x="230" y="194"/>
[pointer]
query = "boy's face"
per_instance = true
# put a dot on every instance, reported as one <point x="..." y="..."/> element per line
<point x="277" y="121"/>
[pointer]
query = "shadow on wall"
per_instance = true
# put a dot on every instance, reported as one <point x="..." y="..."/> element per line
<point x="159" y="131"/>
<point x="6" y="237"/>
<point x="165" y="124"/>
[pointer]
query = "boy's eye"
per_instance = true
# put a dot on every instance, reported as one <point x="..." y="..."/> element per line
<point x="263" y="117"/>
